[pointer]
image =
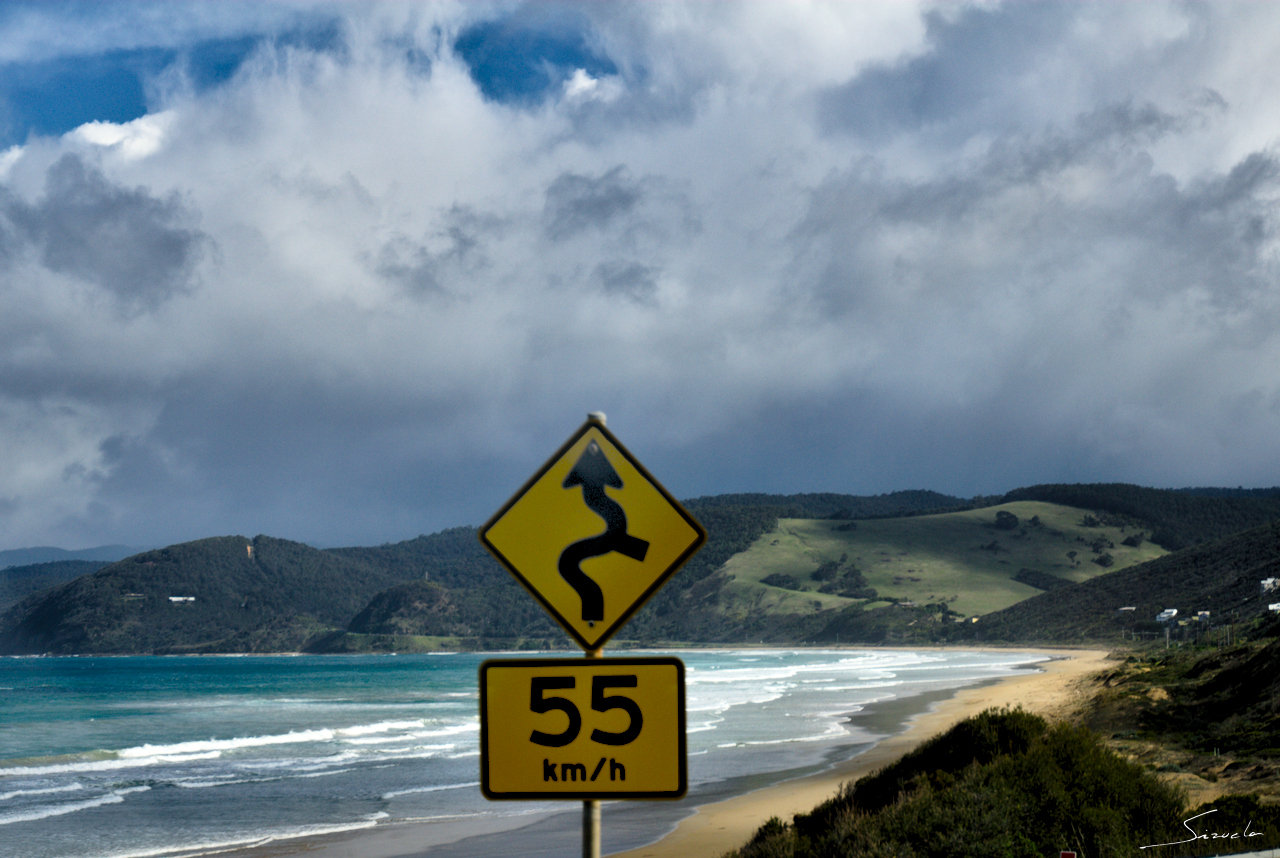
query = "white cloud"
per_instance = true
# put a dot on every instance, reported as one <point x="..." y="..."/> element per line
<point x="135" y="139"/>
<point x="383" y="287"/>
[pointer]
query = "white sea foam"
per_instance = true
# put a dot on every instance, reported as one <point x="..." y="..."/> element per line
<point x="213" y="847"/>
<point x="293" y="737"/>
<point x="832" y="730"/>
<point x="9" y="796"/>
<point x="35" y="814"/>
<point x="435" y="788"/>
<point x="108" y="765"/>
<point x="381" y="727"/>
<point x="363" y="741"/>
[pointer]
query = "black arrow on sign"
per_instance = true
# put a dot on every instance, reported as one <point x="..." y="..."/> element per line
<point x="593" y="472"/>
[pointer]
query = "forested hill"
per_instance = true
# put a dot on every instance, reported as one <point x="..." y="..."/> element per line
<point x="232" y="594"/>
<point x="466" y="594"/>
<point x="1223" y="577"/>
<point x="19" y="582"/>
<point x="224" y="594"/>
<point x="287" y="596"/>
<point x="1178" y="518"/>
<point x="837" y="506"/>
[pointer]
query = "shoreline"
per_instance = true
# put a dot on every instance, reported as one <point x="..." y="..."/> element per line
<point x="708" y="825"/>
<point x="717" y="828"/>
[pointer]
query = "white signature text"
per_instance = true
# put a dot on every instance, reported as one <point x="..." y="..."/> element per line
<point x="1213" y="835"/>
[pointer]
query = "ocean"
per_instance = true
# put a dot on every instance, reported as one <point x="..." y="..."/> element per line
<point x="177" y="757"/>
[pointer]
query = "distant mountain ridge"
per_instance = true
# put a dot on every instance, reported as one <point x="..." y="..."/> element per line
<point x="233" y="594"/>
<point x="31" y="556"/>
<point x="19" y="582"/>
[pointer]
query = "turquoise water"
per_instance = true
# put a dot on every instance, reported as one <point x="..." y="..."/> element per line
<point x="143" y="757"/>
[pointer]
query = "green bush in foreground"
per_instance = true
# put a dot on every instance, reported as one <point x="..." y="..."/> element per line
<point x="1004" y="784"/>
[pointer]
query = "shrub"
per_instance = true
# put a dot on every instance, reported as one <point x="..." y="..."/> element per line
<point x="1006" y="520"/>
<point x="1003" y="784"/>
<point x="826" y="572"/>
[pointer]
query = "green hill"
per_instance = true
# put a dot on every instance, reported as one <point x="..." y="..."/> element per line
<point x="904" y="568"/>
<point x="225" y="594"/>
<point x="19" y="582"/>
<point x="1222" y="577"/>
<point x="462" y="593"/>
<point x="1177" y="518"/>
<point x="837" y="506"/>
<point x="975" y="561"/>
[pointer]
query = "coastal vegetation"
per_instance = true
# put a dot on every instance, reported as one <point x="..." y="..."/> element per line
<point x="1173" y="746"/>
<point x="1008" y="783"/>
<point x="1002" y="783"/>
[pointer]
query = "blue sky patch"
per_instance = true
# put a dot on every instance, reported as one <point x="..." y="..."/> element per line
<point x="523" y="58"/>
<point x="52" y="97"/>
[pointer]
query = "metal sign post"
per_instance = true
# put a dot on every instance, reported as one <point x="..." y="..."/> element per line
<point x="600" y="727"/>
<point x="591" y="807"/>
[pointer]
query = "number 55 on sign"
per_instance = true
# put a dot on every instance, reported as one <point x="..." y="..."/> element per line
<point x="582" y="728"/>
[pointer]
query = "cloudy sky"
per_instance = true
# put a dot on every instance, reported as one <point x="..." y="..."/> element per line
<point x="349" y="273"/>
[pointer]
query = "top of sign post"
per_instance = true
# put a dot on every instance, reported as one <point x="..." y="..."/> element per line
<point x="592" y="535"/>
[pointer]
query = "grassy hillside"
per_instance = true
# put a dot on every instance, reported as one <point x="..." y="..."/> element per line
<point x="962" y="559"/>
<point x="462" y="593"/>
<point x="1177" y="518"/>
<point x="836" y="506"/>
<point x="1222" y="577"/>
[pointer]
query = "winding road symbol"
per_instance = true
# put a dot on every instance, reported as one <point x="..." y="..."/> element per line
<point x="548" y="535"/>
<point x="593" y="472"/>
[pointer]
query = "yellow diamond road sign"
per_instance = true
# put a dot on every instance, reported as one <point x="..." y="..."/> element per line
<point x="592" y="535"/>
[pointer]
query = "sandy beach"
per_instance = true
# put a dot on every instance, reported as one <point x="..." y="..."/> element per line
<point x="717" y="826"/>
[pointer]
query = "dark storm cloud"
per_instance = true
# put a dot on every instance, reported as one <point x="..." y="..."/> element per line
<point x="629" y="279"/>
<point x="139" y="248"/>
<point x="576" y="203"/>
<point x="1096" y="214"/>
<point x="440" y="262"/>
<point x="971" y="69"/>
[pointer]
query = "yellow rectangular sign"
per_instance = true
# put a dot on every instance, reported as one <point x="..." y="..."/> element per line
<point x="593" y="728"/>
